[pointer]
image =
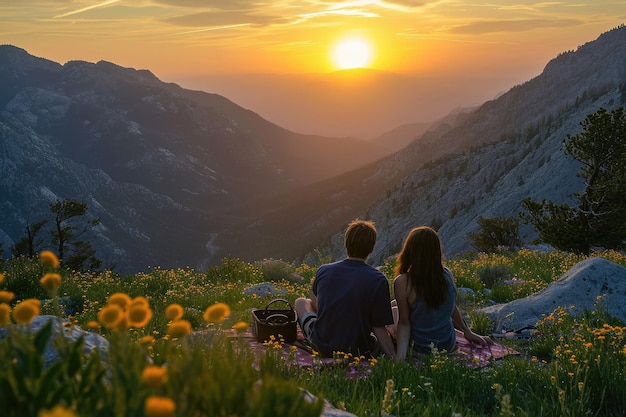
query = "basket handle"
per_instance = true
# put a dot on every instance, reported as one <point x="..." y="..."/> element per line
<point x="277" y="319"/>
<point x="277" y="300"/>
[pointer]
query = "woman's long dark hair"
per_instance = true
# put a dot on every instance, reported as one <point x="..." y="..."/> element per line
<point x="422" y="259"/>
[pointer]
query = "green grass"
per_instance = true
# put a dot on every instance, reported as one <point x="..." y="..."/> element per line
<point x="575" y="367"/>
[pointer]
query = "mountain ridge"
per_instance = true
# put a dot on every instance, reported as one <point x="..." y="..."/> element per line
<point x="162" y="167"/>
<point x="184" y="178"/>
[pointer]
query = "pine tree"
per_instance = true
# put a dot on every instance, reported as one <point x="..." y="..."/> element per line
<point x="599" y="217"/>
<point x="74" y="253"/>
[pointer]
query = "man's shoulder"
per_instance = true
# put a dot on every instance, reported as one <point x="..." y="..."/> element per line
<point x="329" y="265"/>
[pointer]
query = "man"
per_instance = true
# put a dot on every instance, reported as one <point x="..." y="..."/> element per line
<point x="351" y="301"/>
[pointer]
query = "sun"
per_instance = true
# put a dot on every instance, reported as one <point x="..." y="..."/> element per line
<point x="352" y="53"/>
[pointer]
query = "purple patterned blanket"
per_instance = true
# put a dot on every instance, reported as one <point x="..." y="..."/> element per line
<point x="298" y="353"/>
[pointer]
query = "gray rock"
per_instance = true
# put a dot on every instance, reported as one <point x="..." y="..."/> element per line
<point x="265" y="289"/>
<point x="579" y="287"/>
<point x="328" y="410"/>
<point x="92" y="341"/>
<point x="466" y="292"/>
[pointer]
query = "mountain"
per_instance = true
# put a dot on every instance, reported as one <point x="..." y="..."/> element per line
<point x="164" y="168"/>
<point x="510" y="148"/>
<point x="181" y="177"/>
<point x="480" y="163"/>
<point x="403" y="135"/>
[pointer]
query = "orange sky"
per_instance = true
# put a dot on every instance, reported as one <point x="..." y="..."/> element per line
<point x="182" y="39"/>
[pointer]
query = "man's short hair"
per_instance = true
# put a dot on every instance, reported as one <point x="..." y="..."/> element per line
<point x="360" y="238"/>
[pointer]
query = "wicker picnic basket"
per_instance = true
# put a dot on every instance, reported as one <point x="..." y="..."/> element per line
<point x="280" y="323"/>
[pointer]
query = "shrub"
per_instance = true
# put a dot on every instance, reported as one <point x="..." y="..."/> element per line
<point x="23" y="277"/>
<point x="480" y="323"/>
<point x="497" y="234"/>
<point x="233" y="270"/>
<point x="494" y="274"/>
<point x="278" y="270"/>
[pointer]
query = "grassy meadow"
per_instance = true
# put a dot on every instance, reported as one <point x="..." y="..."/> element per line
<point x="169" y="356"/>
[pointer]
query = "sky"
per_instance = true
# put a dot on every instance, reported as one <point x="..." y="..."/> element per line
<point x="185" y="41"/>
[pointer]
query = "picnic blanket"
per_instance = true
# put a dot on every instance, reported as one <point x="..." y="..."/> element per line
<point x="477" y="356"/>
<point x="298" y="352"/>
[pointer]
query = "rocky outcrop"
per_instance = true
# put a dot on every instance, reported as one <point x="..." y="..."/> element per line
<point x="591" y="281"/>
<point x="60" y="328"/>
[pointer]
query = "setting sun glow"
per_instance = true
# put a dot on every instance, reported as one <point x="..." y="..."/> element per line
<point x="352" y="53"/>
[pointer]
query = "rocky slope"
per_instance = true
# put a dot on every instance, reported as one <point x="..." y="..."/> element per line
<point x="164" y="168"/>
<point x="510" y="148"/>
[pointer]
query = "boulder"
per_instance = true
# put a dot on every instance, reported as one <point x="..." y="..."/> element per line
<point x="577" y="290"/>
<point x="92" y="341"/>
<point x="266" y="289"/>
<point x="328" y="410"/>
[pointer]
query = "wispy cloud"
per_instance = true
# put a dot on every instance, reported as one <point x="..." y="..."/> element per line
<point x="213" y="4"/>
<point x="212" y="28"/>
<point x="532" y="7"/>
<point x="521" y="25"/>
<point x="84" y="9"/>
<point x="284" y="32"/>
<point x="222" y="19"/>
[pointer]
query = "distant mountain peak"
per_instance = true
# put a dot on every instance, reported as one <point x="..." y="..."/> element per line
<point x="164" y="168"/>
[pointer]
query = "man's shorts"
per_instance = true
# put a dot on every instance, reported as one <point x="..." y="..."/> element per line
<point x="307" y="324"/>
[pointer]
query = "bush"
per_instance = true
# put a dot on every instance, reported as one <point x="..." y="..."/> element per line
<point x="494" y="274"/>
<point x="278" y="270"/>
<point x="480" y="323"/>
<point x="497" y="234"/>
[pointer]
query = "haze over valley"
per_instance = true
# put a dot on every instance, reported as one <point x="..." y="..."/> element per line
<point x="361" y="103"/>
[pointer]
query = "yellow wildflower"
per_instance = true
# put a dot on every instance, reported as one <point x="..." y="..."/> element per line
<point x="49" y="259"/>
<point x="57" y="411"/>
<point x="26" y="310"/>
<point x="138" y="315"/>
<point x="6" y="296"/>
<point x="139" y="300"/>
<point x="240" y="327"/>
<point x="51" y="282"/>
<point x="174" y="312"/>
<point x="160" y="407"/>
<point x="154" y="376"/>
<point x="93" y="325"/>
<point x="216" y="313"/>
<point x="179" y="328"/>
<point x="111" y="315"/>
<point x="120" y="299"/>
<point x="35" y="302"/>
<point x="147" y="340"/>
<point x="5" y="314"/>
<point x="122" y="324"/>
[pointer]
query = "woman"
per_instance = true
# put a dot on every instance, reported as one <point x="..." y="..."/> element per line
<point x="425" y="295"/>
